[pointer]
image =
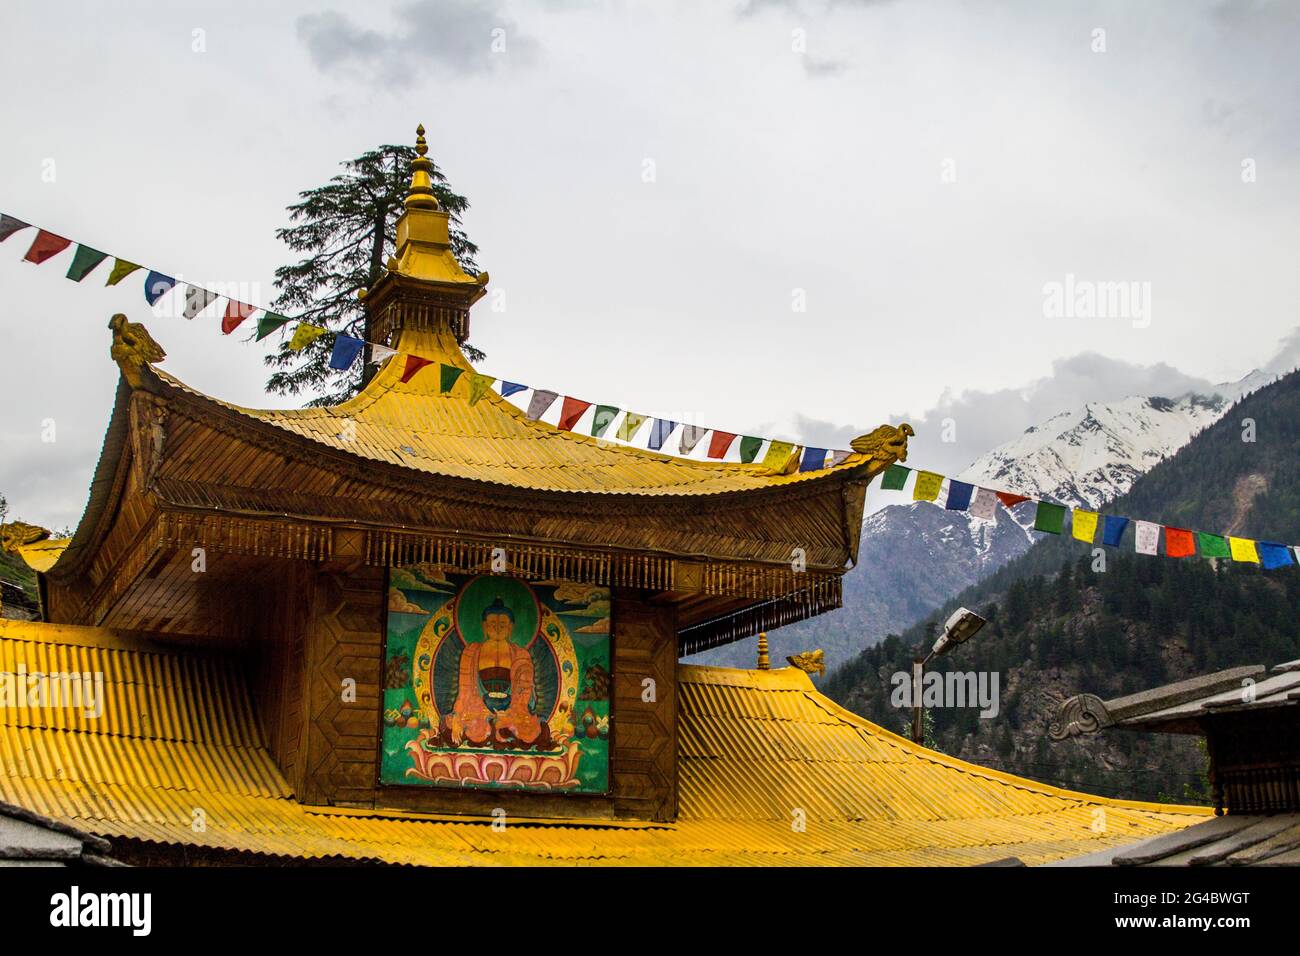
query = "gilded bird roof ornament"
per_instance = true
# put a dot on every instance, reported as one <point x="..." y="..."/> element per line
<point x="133" y="349"/>
<point x="886" y="444"/>
<point x="810" y="662"/>
<point x="18" y="534"/>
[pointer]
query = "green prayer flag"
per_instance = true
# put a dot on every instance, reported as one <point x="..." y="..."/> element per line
<point x="895" y="478"/>
<point x="631" y="422"/>
<point x="604" y="417"/>
<point x="749" y="446"/>
<point x="84" y="260"/>
<point x="1212" y="545"/>
<point x="447" y="375"/>
<point x="1049" y="517"/>
<point x="268" y="323"/>
<point x="121" y="269"/>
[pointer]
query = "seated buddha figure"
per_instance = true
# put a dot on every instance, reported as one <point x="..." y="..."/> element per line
<point x="495" y="688"/>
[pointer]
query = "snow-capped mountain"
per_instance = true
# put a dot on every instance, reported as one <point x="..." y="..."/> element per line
<point x="915" y="556"/>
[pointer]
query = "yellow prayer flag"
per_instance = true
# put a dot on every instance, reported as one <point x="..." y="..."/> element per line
<point x="778" y="455"/>
<point x="927" y="486"/>
<point x="478" y="386"/>
<point x="1084" y="525"/>
<point x="304" y="335"/>
<point x="1243" y="549"/>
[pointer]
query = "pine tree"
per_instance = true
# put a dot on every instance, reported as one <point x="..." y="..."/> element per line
<point x="347" y="231"/>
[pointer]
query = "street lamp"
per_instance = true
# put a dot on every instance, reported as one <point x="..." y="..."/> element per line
<point x="960" y="628"/>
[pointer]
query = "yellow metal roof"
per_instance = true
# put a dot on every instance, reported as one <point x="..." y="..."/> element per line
<point x="43" y="555"/>
<point x="412" y="425"/>
<point x="179" y="734"/>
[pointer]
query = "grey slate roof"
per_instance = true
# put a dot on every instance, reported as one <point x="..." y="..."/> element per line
<point x="1236" y="840"/>
<point x="29" y="839"/>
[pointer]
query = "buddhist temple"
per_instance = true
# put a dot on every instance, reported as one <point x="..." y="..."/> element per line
<point x="423" y="627"/>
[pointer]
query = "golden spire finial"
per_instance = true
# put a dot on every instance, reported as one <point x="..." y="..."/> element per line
<point x="763" y="662"/>
<point x="420" y="195"/>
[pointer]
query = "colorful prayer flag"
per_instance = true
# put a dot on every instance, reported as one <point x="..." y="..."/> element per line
<point x="1213" y="545"/>
<point x="1113" y="530"/>
<point x="985" y="505"/>
<point x="632" y="422"/>
<point x="1010" y="500"/>
<point x="749" y="446"/>
<point x="814" y="459"/>
<point x="959" y="495"/>
<point x="572" y="410"/>
<point x="660" y="431"/>
<point x="447" y="376"/>
<point x="479" y="386"/>
<point x="1049" y="518"/>
<point x="196" y="300"/>
<point x="895" y="477"/>
<point x="157" y="285"/>
<point x="778" y="455"/>
<point x="1083" y="525"/>
<point x="9" y="225"/>
<point x="509" y="388"/>
<point x="1179" y="542"/>
<point x="1273" y="555"/>
<point x="236" y="312"/>
<point x="602" y="419"/>
<point x="84" y="261"/>
<point x="121" y="269"/>
<point x="413" y="364"/>
<point x="691" y="435"/>
<point x="927" y="486"/>
<point x="720" y="443"/>
<point x="346" y="350"/>
<point x="542" y="400"/>
<point x="46" y="245"/>
<point x="304" y="335"/>
<point x="1243" y="549"/>
<point x="1146" y="537"/>
<point x="268" y="322"/>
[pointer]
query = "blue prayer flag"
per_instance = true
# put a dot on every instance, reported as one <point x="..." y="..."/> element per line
<point x="157" y="285"/>
<point x="959" y="495"/>
<point x="509" y="388"/>
<point x="660" y="432"/>
<point x="814" y="459"/>
<point x="1273" y="555"/>
<point x="346" y="350"/>
<point x="1112" y="530"/>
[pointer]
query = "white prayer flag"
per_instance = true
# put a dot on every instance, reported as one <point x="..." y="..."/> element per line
<point x="196" y="300"/>
<point x="380" y="354"/>
<point x="542" y="400"/>
<point x="691" y="435"/>
<point x="1146" y="538"/>
<point x="984" y="505"/>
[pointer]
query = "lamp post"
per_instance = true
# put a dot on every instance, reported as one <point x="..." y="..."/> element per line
<point x="962" y="625"/>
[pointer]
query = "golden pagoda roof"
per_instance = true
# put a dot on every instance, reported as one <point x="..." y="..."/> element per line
<point x="180" y="731"/>
<point x="413" y="425"/>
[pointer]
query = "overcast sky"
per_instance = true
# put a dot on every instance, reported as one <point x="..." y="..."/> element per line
<point x="920" y="170"/>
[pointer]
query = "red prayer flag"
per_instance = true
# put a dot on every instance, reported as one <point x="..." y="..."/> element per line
<point x="1010" y="500"/>
<point x="719" y="444"/>
<point x="45" y="245"/>
<point x="572" y="411"/>
<point x="236" y="312"/>
<point x="413" y="364"/>
<point x="1179" y="542"/>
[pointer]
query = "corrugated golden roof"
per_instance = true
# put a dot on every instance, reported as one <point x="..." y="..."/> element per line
<point x="759" y="749"/>
<point x="412" y="425"/>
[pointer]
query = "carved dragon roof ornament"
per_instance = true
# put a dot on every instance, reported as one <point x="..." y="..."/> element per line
<point x="887" y="443"/>
<point x="18" y="534"/>
<point x="810" y="662"/>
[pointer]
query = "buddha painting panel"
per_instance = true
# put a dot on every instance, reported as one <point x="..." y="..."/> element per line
<point x="495" y="682"/>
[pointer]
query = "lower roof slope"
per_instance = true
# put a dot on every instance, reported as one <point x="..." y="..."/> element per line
<point x="758" y="749"/>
